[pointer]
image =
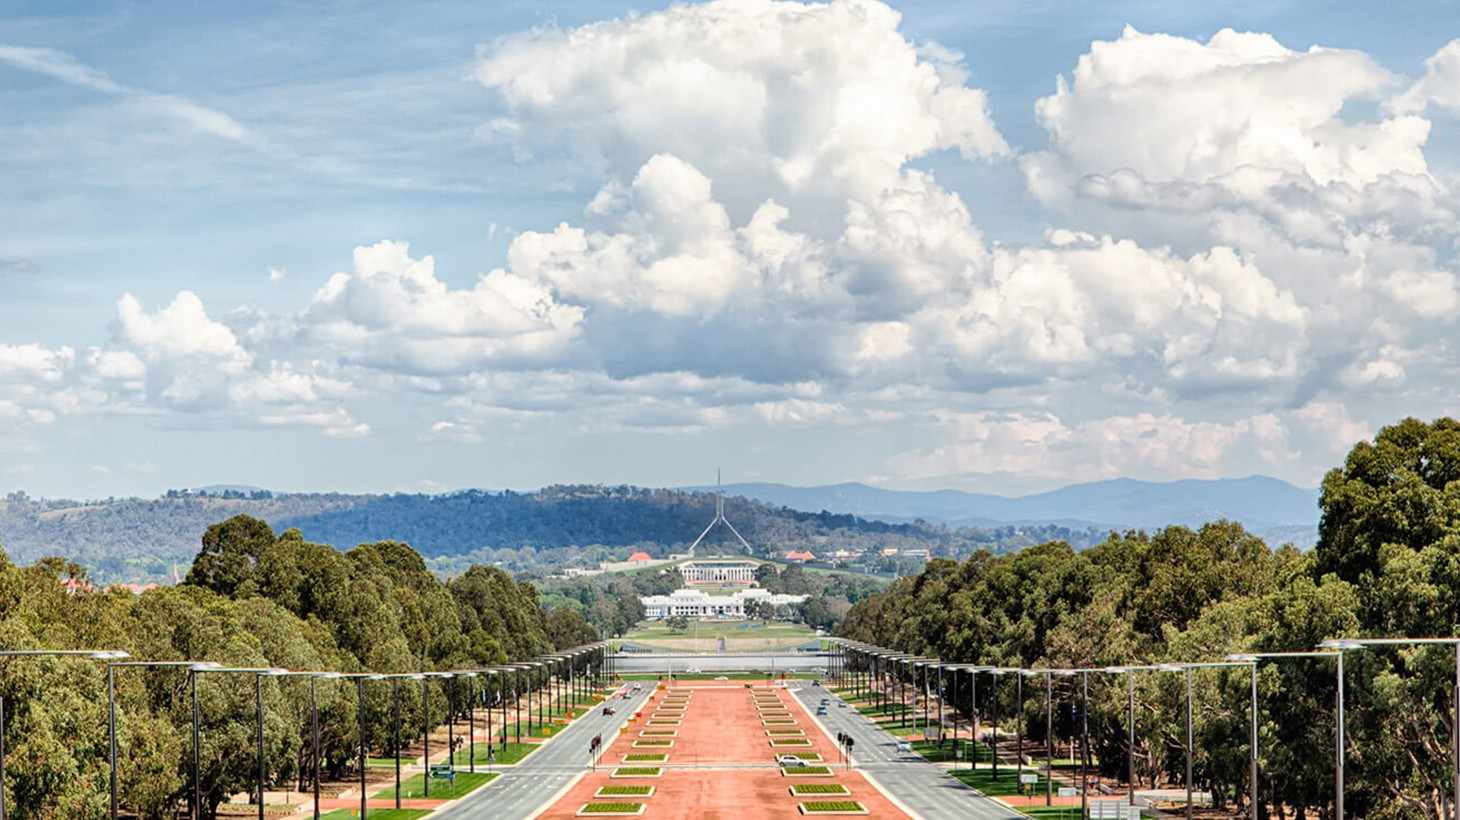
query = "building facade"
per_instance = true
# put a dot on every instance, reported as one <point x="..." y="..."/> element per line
<point x="718" y="572"/>
<point x="693" y="603"/>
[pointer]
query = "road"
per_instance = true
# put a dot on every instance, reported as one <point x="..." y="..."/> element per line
<point x="658" y="662"/>
<point x="922" y="787"/>
<point x="526" y="787"/>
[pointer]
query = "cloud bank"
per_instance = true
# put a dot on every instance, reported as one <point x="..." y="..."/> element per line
<point x="1247" y="252"/>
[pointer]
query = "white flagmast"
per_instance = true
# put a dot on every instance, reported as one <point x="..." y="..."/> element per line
<point x="720" y="519"/>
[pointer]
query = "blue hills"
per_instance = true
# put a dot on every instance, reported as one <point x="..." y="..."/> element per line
<point x="1270" y="507"/>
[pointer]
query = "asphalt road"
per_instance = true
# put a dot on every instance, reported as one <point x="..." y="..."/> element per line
<point x="922" y="787"/>
<point x="524" y="788"/>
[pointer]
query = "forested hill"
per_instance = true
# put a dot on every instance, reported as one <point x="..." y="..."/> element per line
<point x="143" y="539"/>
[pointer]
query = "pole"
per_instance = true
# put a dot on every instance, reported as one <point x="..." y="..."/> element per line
<point x="994" y="682"/>
<point x="395" y="737"/>
<point x="1188" y="744"/>
<point x="451" y="723"/>
<point x="1019" y="727"/>
<point x="111" y="721"/>
<point x="1085" y="743"/>
<point x="972" y="720"/>
<point x="2" y="757"/>
<point x="314" y="721"/>
<point x="197" y="784"/>
<point x="1253" y="760"/>
<point x="1457" y="732"/>
<point x="426" y="731"/>
<point x="517" y="701"/>
<point x="1049" y="738"/>
<point x="360" y="696"/>
<point x="1338" y="746"/>
<point x="258" y="699"/>
<point x="1130" y="678"/>
<point x="471" y="724"/>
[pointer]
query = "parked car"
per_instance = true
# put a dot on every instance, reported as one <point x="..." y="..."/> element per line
<point x="691" y="671"/>
<point x="721" y="677"/>
<point x="790" y="760"/>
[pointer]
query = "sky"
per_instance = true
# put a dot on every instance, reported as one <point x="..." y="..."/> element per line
<point x="1003" y="247"/>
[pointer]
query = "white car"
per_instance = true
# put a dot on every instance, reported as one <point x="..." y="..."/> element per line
<point x="904" y="746"/>
<point x="722" y="677"/>
<point x="691" y="671"/>
<point x="790" y="760"/>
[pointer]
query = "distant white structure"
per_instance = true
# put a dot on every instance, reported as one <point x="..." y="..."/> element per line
<point x="718" y="572"/>
<point x="719" y="519"/>
<point x="692" y="603"/>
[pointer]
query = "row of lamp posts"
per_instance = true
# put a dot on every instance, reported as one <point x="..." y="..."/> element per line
<point x="560" y="669"/>
<point x="865" y="669"/>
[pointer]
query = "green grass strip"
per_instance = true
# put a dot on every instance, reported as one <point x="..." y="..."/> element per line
<point x="615" y="808"/>
<point x="624" y="791"/>
<point x="794" y="770"/>
<point x="415" y="786"/>
<point x="818" y="788"/>
<point x="834" y="805"/>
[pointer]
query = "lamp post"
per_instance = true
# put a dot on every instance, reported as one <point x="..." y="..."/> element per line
<point x="1359" y="643"/>
<point x="1187" y="669"/>
<point x="93" y="654"/>
<point x="314" y="678"/>
<point x="1130" y="757"/>
<point x="1254" y="658"/>
<point x="1048" y="730"/>
<point x="111" y="711"/>
<point x="395" y="680"/>
<point x="259" y="673"/>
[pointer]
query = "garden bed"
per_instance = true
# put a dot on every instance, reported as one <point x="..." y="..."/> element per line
<point x="653" y="744"/>
<point x="645" y="757"/>
<point x="610" y="809"/>
<point x="833" y="807"/>
<point x="659" y="733"/>
<point x="786" y="741"/>
<point x="782" y="732"/>
<point x="624" y="791"/>
<point x="813" y="789"/>
<point x="637" y="771"/>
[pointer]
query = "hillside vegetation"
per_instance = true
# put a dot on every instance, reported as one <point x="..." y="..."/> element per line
<point x="145" y="540"/>
<point x="1387" y="564"/>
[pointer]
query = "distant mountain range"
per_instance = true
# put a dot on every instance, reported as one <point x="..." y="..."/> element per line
<point x="151" y="539"/>
<point x="1268" y="506"/>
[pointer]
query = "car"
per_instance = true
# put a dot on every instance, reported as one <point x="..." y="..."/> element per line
<point x="608" y="710"/>
<point x="816" y="683"/>
<point x="904" y="746"/>
<point x="821" y="710"/>
<point x="638" y="687"/>
<point x="790" y="760"/>
<point x="691" y="671"/>
<point x="721" y="677"/>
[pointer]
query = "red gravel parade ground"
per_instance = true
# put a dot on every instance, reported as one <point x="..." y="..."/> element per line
<point x="722" y="763"/>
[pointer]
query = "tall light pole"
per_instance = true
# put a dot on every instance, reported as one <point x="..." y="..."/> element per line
<point x="314" y="678"/>
<point x="1187" y="669"/>
<point x="111" y="712"/>
<point x="1048" y="729"/>
<point x="259" y="673"/>
<point x="1254" y="658"/>
<point x="1130" y="757"/>
<point x="92" y="654"/>
<point x="1359" y="643"/>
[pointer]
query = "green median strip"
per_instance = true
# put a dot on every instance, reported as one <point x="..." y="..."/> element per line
<point x="415" y="786"/>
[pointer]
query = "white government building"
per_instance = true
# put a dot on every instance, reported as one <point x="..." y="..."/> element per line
<point x="692" y="603"/>
<point x="718" y="572"/>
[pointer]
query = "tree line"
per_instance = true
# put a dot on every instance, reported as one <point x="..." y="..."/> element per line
<point x="1387" y="564"/>
<point x="251" y="599"/>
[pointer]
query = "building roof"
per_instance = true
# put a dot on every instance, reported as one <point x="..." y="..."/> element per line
<point x="800" y="556"/>
<point x="640" y="556"/>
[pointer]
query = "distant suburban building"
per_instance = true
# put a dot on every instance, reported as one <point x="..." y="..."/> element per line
<point x="718" y="572"/>
<point x="693" y="603"/>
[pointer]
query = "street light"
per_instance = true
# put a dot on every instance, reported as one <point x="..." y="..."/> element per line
<point x="1253" y="658"/>
<point x="1048" y="728"/>
<point x="258" y="673"/>
<point x="1187" y="667"/>
<point x="1130" y="757"/>
<point x="314" y="678"/>
<point x="111" y="710"/>
<point x="1346" y="644"/>
<point x="93" y="654"/>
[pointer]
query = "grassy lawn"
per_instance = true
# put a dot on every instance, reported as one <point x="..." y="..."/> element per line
<point x="377" y="813"/>
<point x="1053" y="812"/>
<point x="416" y="786"/>
<point x="930" y="750"/>
<point x="387" y="762"/>
<point x="1007" y="784"/>
<point x="513" y="753"/>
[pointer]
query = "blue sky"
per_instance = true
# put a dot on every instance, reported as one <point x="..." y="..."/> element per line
<point x="357" y="246"/>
